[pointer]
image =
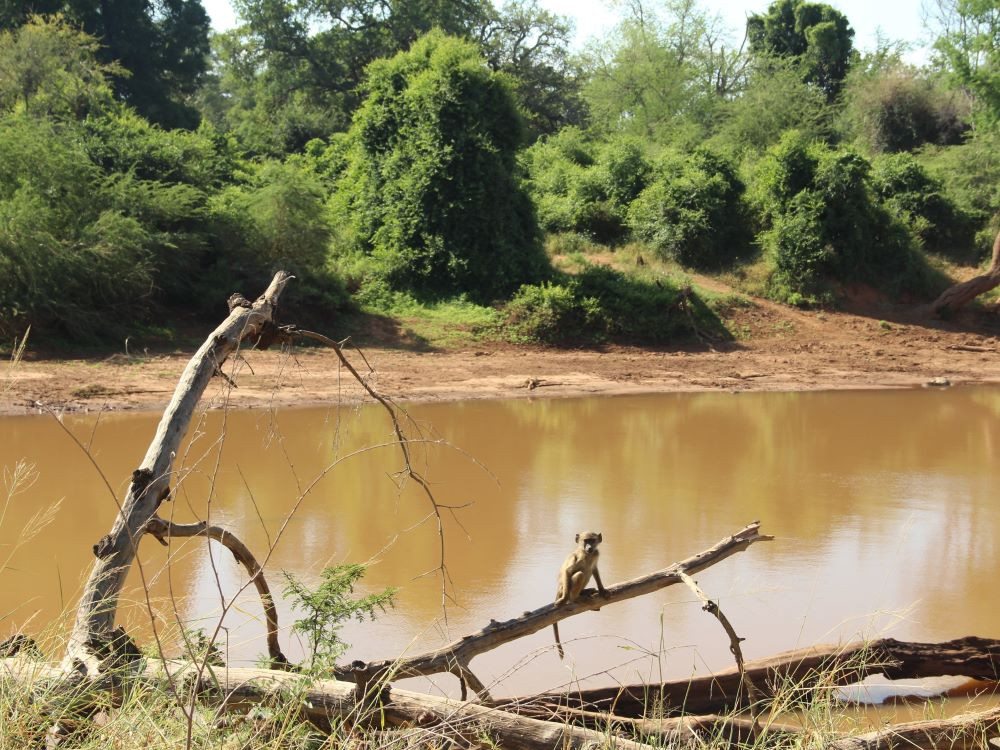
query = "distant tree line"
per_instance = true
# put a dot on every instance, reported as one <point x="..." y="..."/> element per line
<point x="434" y="149"/>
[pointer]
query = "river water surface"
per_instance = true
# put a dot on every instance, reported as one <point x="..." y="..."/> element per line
<point x="884" y="505"/>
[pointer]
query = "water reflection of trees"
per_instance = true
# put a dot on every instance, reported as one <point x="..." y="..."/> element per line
<point x="892" y="489"/>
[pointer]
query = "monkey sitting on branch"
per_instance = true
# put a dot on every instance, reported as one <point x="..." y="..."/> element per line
<point x="575" y="573"/>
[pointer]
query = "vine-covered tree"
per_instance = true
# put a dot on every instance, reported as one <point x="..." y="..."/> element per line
<point x="428" y="191"/>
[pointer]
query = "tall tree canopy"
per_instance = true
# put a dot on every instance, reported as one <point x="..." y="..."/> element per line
<point x="292" y="72"/>
<point x="161" y="46"/>
<point x="818" y="35"/>
<point x="969" y="48"/>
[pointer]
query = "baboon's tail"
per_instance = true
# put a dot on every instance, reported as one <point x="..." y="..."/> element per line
<point x="559" y="648"/>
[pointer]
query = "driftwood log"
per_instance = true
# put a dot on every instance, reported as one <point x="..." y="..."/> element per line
<point x="816" y="666"/>
<point x="150" y="484"/>
<point x="455" y="657"/>
<point x="955" y="297"/>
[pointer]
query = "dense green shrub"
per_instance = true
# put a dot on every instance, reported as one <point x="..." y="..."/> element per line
<point x="824" y="223"/>
<point x="598" y="304"/>
<point x="906" y="188"/>
<point x="74" y="257"/>
<point x="579" y="186"/>
<point x="430" y="192"/>
<point x="693" y="210"/>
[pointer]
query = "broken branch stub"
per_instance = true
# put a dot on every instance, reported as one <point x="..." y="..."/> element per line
<point x="150" y="484"/>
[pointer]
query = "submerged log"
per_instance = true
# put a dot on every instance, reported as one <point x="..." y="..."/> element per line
<point x="455" y="656"/>
<point x="816" y="666"/>
<point x="150" y="484"/>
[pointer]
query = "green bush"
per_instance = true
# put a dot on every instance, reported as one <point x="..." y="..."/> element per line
<point x="823" y="222"/>
<point x="904" y="186"/>
<point x="552" y="314"/>
<point x="599" y="304"/>
<point x="585" y="188"/>
<point x="693" y="211"/>
<point x="72" y="260"/>
<point x="430" y="190"/>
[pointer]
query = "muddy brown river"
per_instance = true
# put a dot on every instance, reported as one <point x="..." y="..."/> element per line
<point x="884" y="505"/>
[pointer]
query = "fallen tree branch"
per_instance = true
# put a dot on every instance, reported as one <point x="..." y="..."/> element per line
<point x="821" y="667"/>
<point x="165" y="530"/>
<point x="459" y="653"/>
<point x="325" y="702"/>
<point x="150" y="484"/>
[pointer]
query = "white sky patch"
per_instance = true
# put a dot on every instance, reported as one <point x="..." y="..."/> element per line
<point x="897" y="19"/>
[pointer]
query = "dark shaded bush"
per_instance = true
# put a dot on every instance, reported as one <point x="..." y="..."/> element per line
<point x="693" y="211"/>
<point x="430" y="191"/>
<point x="901" y="108"/>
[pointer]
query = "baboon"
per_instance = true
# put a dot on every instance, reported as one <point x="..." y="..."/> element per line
<point x="576" y="572"/>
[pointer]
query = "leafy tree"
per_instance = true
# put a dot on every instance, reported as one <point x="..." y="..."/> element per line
<point x="775" y="99"/>
<point x="294" y="71"/>
<point x="656" y="74"/>
<point x="48" y="68"/>
<point x="815" y="34"/>
<point x="968" y="47"/>
<point x="161" y="46"/>
<point x="430" y="192"/>
<point x="531" y="45"/>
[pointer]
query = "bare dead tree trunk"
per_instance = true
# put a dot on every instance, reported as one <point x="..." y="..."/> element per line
<point x="955" y="297"/>
<point x="150" y="484"/>
<point x="964" y="731"/>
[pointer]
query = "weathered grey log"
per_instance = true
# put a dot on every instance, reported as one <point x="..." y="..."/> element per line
<point x="825" y="665"/>
<point x="150" y="484"/>
<point x="166" y="530"/>
<point x="456" y="655"/>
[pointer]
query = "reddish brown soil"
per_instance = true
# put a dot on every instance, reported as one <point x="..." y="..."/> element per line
<point x="775" y="348"/>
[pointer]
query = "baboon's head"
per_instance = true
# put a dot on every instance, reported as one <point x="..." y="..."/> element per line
<point x="589" y="541"/>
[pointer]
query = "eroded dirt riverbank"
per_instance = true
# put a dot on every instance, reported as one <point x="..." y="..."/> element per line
<point x="774" y="349"/>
